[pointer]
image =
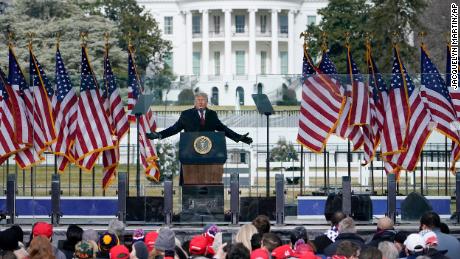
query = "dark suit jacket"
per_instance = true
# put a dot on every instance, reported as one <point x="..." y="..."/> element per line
<point x="189" y="120"/>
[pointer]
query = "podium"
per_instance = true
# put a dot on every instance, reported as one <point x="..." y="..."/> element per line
<point x="202" y="156"/>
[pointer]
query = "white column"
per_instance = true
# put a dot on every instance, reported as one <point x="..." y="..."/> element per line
<point x="291" y="40"/>
<point x="275" y="54"/>
<point x="205" y="47"/>
<point x="252" y="44"/>
<point x="189" y="42"/>
<point x="228" y="45"/>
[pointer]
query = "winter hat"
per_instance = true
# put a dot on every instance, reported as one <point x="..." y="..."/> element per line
<point x="90" y="234"/>
<point x="141" y="250"/>
<point x="282" y="252"/>
<point x="8" y="242"/>
<point x="415" y="243"/>
<point x="107" y="241"/>
<point x="199" y="246"/>
<point x="119" y="252"/>
<point x="84" y="249"/>
<point x="42" y="229"/>
<point x="150" y="239"/>
<point x="260" y="253"/>
<point x="165" y="240"/>
<point x="138" y="235"/>
<point x="116" y="227"/>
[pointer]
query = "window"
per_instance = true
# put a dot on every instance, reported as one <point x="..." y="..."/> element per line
<point x="196" y="63"/>
<point x="263" y="62"/>
<point x="240" y="95"/>
<point x="239" y="23"/>
<point x="216" y="24"/>
<point x="217" y="63"/>
<point x="283" y="62"/>
<point x="240" y="63"/>
<point x="196" y="24"/>
<point x="311" y="20"/>
<point x="168" y="29"/>
<point x="283" y="24"/>
<point x="263" y="24"/>
<point x="168" y="61"/>
<point x="215" y="96"/>
<point x="243" y="158"/>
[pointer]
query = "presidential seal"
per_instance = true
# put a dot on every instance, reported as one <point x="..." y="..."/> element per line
<point x="202" y="145"/>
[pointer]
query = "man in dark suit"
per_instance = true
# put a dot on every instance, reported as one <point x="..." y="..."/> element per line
<point x="199" y="118"/>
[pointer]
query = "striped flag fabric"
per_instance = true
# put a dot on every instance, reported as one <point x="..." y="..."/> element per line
<point x="93" y="133"/>
<point x="437" y="97"/>
<point x="397" y="113"/>
<point x="360" y="114"/>
<point x="343" y="129"/>
<point x="320" y="107"/>
<point x="419" y="127"/>
<point x="65" y="112"/>
<point x="118" y="121"/>
<point x="8" y="144"/>
<point x="146" y="122"/>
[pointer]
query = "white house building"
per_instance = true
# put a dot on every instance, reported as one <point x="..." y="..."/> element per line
<point x="225" y="47"/>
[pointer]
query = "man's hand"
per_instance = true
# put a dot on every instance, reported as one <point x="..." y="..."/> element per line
<point x="245" y="139"/>
<point x="153" y="135"/>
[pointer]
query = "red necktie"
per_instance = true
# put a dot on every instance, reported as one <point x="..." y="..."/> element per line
<point x="201" y="117"/>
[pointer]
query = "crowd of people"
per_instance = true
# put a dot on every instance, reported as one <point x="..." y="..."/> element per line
<point x="252" y="241"/>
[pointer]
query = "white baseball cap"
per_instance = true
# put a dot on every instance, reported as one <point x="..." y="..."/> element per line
<point x="415" y="243"/>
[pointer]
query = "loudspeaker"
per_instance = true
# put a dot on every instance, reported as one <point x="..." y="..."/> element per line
<point x="457" y="197"/>
<point x="414" y="206"/>
<point x="168" y="199"/>
<point x="11" y="198"/>
<point x="346" y="195"/>
<point x="391" y="197"/>
<point x="146" y="209"/>
<point x="55" y="199"/>
<point x="361" y="206"/>
<point x="202" y="203"/>
<point x="251" y="207"/>
<point x="234" y="197"/>
<point x="121" y="214"/>
<point x="279" y="188"/>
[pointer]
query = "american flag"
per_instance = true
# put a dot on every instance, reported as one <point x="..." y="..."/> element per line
<point x="319" y="108"/>
<point x="33" y="127"/>
<point x="397" y="113"/>
<point x="146" y="122"/>
<point x="419" y="121"/>
<point x="65" y="112"/>
<point x="8" y="144"/>
<point x="93" y="133"/>
<point x="437" y="96"/>
<point x="117" y="119"/>
<point x="360" y="114"/>
<point x="343" y="129"/>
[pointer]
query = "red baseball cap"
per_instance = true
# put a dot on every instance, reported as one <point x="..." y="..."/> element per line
<point x="150" y="239"/>
<point x="42" y="229"/>
<point x="260" y="253"/>
<point x="282" y="252"/>
<point x="302" y="249"/>
<point x="199" y="246"/>
<point x="119" y="252"/>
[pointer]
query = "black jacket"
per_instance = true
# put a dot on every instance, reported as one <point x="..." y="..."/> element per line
<point x="189" y="121"/>
<point x="385" y="235"/>
<point x="331" y="249"/>
<point x="321" y="242"/>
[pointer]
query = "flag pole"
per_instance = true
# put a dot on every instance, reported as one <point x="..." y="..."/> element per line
<point x="324" y="49"/>
<point x="58" y="40"/>
<point x="347" y="45"/>
<point x="305" y="46"/>
<point x="129" y="133"/>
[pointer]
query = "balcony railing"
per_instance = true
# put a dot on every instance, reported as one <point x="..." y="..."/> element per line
<point x="216" y="34"/>
<point x="196" y="34"/>
<point x="264" y="33"/>
<point x="215" y="77"/>
<point x="240" y="77"/>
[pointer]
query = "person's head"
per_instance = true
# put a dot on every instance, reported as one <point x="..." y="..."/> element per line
<point x="262" y="223"/>
<point x="8" y="240"/>
<point x="348" y="249"/>
<point x="116" y="227"/>
<point x="415" y="245"/>
<point x="256" y="241"/>
<point x="260" y="253"/>
<point x="139" y="251"/>
<point x="430" y="238"/>
<point x="18" y="233"/>
<point x="7" y="255"/>
<point x="40" y="247"/>
<point x="245" y="234"/>
<point x="85" y="249"/>
<point x="444" y="228"/>
<point x="237" y="250"/>
<point x="165" y="240"/>
<point x="400" y="238"/>
<point x="74" y="234"/>
<point x="201" y="100"/>
<point x="430" y="220"/>
<point x="347" y="225"/>
<point x="91" y="235"/>
<point x="282" y="252"/>
<point x="385" y="223"/>
<point x="42" y="229"/>
<point x="388" y="250"/>
<point x="199" y="246"/>
<point x="119" y="252"/>
<point x="107" y="241"/>
<point x="336" y="218"/>
<point x="270" y="241"/>
<point x="370" y="252"/>
<point x="138" y="235"/>
<point x="150" y="239"/>
<point x="298" y="233"/>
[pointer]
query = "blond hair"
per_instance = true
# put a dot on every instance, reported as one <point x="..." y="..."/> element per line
<point x="244" y="235"/>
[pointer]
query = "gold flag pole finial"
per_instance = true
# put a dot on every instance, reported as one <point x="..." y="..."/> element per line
<point x="305" y="36"/>
<point x="31" y="37"/>
<point x="395" y="39"/>
<point x="83" y="38"/>
<point x="324" y="41"/>
<point x="10" y="38"/>
<point x="367" y="37"/>
<point x="106" y="39"/>
<point x="422" y="35"/>
<point x="347" y="39"/>
<point x="58" y="40"/>
<point x="130" y="45"/>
